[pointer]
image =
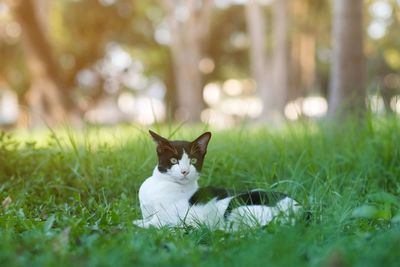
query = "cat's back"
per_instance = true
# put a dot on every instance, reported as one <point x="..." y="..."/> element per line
<point x="205" y="194"/>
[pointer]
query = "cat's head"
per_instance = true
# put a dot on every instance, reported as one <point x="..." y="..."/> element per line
<point x="181" y="161"/>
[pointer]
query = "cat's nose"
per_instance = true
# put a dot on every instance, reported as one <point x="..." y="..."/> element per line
<point x="185" y="172"/>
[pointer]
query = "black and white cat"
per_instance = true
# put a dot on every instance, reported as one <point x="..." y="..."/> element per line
<point x="172" y="196"/>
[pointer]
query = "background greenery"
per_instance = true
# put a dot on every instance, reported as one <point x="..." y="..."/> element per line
<point x="68" y="197"/>
<point x="76" y="60"/>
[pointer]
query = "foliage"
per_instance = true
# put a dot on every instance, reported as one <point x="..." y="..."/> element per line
<point x="68" y="198"/>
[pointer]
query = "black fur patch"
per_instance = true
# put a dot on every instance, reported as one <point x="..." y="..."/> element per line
<point x="205" y="194"/>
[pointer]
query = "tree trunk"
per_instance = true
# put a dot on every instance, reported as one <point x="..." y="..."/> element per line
<point x="347" y="91"/>
<point x="302" y="76"/>
<point x="189" y="34"/>
<point x="47" y="101"/>
<point x="258" y="57"/>
<point x="188" y="80"/>
<point x="281" y="53"/>
<point x="273" y="84"/>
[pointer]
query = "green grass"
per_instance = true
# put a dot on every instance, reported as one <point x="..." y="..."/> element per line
<point x="74" y="195"/>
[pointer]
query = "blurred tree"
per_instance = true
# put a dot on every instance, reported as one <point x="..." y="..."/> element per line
<point x="310" y="31"/>
<point x="271" y="75"/>
<point x="383" y="53"/>
<point x="281" y="67"/>
<point x="63" y="40"/>
<point x="189" y="24"/>
<point x="260" y="65"/>
<point x="347" y="92"/>
<point x="79" y="41"/>
<point x="82" y="39"/>
<point x="48" y="101"/>
<point x="229" y="46"/>
<point x="12" y="64"/>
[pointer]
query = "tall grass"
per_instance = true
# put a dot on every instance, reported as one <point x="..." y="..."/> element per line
<point x="69" y="197"/>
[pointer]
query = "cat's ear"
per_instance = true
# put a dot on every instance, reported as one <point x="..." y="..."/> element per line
<point x="157" y="138"/>
<point x="201" y="143"/>
<point x="162" y="143"/>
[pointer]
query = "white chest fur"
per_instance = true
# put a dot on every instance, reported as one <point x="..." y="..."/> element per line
<point x="164" y="202"/>
<point x="159" y="189"/>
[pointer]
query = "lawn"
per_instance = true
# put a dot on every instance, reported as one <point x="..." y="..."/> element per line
<point x="69" y="197"/>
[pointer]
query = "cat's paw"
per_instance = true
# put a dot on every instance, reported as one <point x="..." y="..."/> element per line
<point x="145" y="223"/>
<point x="148" y="223"/>
<point x="140" y="223"/>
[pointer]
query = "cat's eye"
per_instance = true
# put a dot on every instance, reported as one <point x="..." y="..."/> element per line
<point x="193" y="160"/>
<point x="173" y="160"/>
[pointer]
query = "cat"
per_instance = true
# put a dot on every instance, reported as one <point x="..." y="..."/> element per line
<point x="172" y="197"/>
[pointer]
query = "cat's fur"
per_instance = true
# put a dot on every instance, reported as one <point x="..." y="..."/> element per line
<point x="172" y="197"/>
